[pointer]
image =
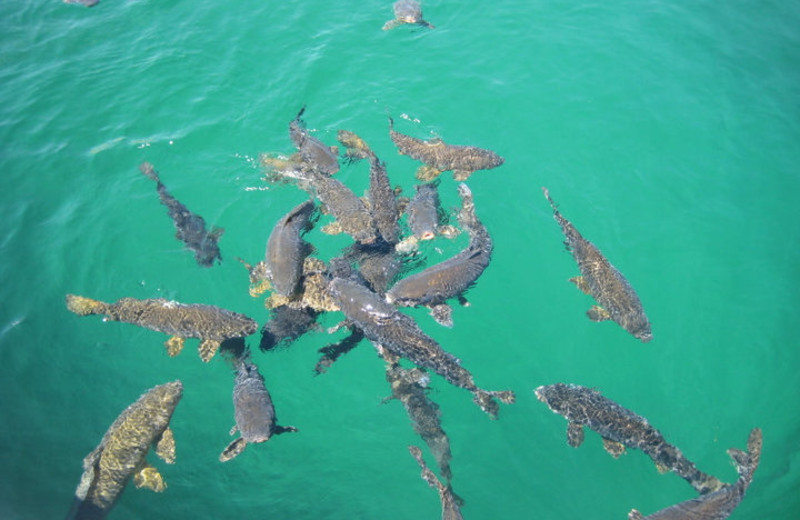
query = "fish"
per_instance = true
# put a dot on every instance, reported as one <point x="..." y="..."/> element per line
<point x="210" y="324"/>
<point x="382" y="202"/>
<point x="285" y="325"/>
<point x="410" y="386"/>
<point x="719" y="504"/>
<point x="433" y="286"/>
<point x="356" y="148"/>
<point x="439" y="156"/>
<point x="620" y="428"/>
<point x="287" y="251"/>
<point x="378" y="264"/>
<point x="407" y="11"/>
<point x="314" y="153"/>
<point x="384" y="325"/>
<point x="191" y="228"/>
<point x="331" y="353"/>
<point x="252" y="409"/>
<point x="351" y="214"/>
<point x="616" y="298"/>
<point x="451" y="502"/>
<point x="122" y="452"/>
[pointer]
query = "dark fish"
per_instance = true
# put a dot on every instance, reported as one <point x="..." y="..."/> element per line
<point x="602" y="281"/>
<point x="334" y="351"/>
<point x="439" y="156"/>
<point x="435" y="285"/>
<point x="719" y="504"/>
<point x="378" y="264"/>
<point x="252" y="409"/>
<point x="286" y="250"/>
<point x="424" y="212"/>
<point x="314" y="152"/>
<point x="210" y="324"/>
<point x="409" y="386"/>
<point x="450" y="501"/>
<point x="285" y="325"/>
<point x="350" y="212"/>
<point x="620" y="428"/>
<point x="382" y="202"/>
<point x="122" y="451"/>
<point x="191" y="228"/>
<point x="407" y="11"/>
<point x="384" y="325"/>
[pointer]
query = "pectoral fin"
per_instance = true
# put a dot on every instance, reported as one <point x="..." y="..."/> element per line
<point x="443" y="314"/>
<point x="597" y="313"/>
<point x="233" y="449"/>
<point x="334" y="228"/>
<point x="615" y="449"/>
<point x="165" y="448"/>
<point x="208" y="348"/>
<point x="580" y="283"/>
<point x="149" y="477"/>
<point x="174" y="345"/>
<point x="283" y="429"/>
<point x="661" y="468"/>
<point x="461" y="175"/>
<point x="427" y="173"/>
<point x="574" y="434"/>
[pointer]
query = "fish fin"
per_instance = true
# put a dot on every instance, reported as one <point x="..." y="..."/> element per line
<point x="462" y="300"/>
<point x="233" y="449"/>
<point x="216" y="232"/>
<point x="174" y="345"/>
<point x="207" y="349"/>
<point x="334" y="228"/>
<point x="597" y="313"/>
<point x="461" y="175"/>
<point x="147" y="169"/>
<point x="580" y="283"/>
<point x="443" y="314"/>
<point x="575" y="434"/>
<point x="614" y="448"/>
<point x="505" y="396"/>
<point x="391" y="24"/>
<point x="485" y="400"/>
<point x="661" y="468"/>
<point x="427" y="173"/>
<point x="234" y="429"/>
<point x="89" y="471"/>
<point x="283" y="429"/>
<point x="85" y="306"/>
<point x="165" y="448"/>
<point x="148" y="477"/>
<point x="635" y="515"/>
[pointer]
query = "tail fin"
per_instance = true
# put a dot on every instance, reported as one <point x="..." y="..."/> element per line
<point x="147" y="169"/>
<point x="746" y="463"/>
<point x="85" y="306"/>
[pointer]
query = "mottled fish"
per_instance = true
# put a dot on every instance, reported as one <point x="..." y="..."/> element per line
<point x="314" y="153"/>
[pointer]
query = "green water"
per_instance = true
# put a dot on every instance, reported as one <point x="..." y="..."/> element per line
<point x="668" y="132"/>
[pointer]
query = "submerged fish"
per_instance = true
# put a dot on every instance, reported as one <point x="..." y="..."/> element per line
<point x="620" y="428"/>
<point x="407" y="11"/>
<point x="450" y="501"/>
<point x="382" y="202"/>
<point x="351" y="214"/>
<point x="252" y="409"/>
<point x="602" y="281"/>
<point x="439" y="156"/>
<point x="287" y="251"/>
<point x="285" y="325"/>
<point x="314" y="153"/>
<point x="433" y="286"/>
<point x="384" y="325"/>
<point x="719" y="504"/>
<point x="191" y="228"/>
<point x="121" y="453"/>
<point x="210" y="324"/>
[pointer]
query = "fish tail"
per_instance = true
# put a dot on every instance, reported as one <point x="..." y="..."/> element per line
<point x="147" y="169"/>
<point x="85" y="306"/>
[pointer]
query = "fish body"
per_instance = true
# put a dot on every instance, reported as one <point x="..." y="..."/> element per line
<point x="378" y="264"/>
<point x="721" y="503"/>
<point x="384" y="325"/>
<point x="620" y="428"/>
<point x="122" y="451"/>
<point x="252" y="408"/>
<point x="209" y="323"/>
<point x="424" y="212"/>
<point x="602" y="281"/>
<point x="450" y="501"/>
<point x="407" y="11"/>
<point x="382" y="201"/>
<point x="314" y="153"/>
<point x="286" y="250"/>
<point x="349" y="211"/>
<point x="190" y="227"/>
<point x="285" y="325"/>
<point x="440" y="156"/>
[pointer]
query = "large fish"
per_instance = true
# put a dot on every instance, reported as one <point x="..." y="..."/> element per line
<point x="620" y="428"/>
<point x="407" y="11"/>
<point x="210" y="324"/>
<point x="719" y="504"/>
<point x="286" y="250"/>
<point x="191" y="228"/>
<point x="313" y="152"/>
<point x="252" y="409"/>
<point x="382" y="202"/>
<point x="384" y="325"/>
<point x="351" y="214"/>
<point x="439" y="156"/>
<point x="122" y="451"/>
<point x="433" y="286"/>
<point x="450" y="501"/>
<point x="602" y="281"/>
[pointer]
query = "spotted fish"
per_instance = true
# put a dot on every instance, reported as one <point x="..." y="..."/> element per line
<point x="620" y="428"/>
<point x="602" y="281"/>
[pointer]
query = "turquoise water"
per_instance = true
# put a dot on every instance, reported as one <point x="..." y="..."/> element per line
<point x="669" y="133"/>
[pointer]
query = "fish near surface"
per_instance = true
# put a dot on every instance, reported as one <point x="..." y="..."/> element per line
<point x="424" y="212"/>
<point x="313" y="152"/>
<point x="620" y="428"/>
<point x="252" y="409"/>
<point x="349" y="211"/>
<point x="439" y="156"/>
<point x="210" y="324"/>
<point x="286" y="250"/>
<point x="382" y="202"/>
<point x="384" y="325"/>
<point x="407" y="11"/>
<point x="450" y="501"/>
<point x="602" y="281"/>
<point x="438" y="283"/>
<point x="719" y="504"/>
<point x="191" y="228"/>
<point x="122" y="452"/>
